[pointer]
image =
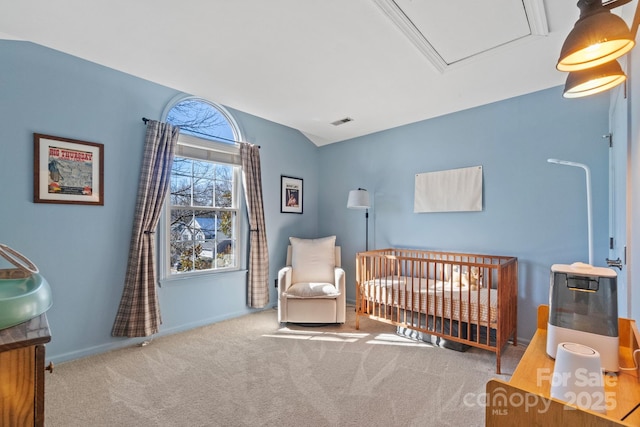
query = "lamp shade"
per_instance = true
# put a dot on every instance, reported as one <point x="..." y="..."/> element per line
<point x="593" y="80"/>
<point x="358" y="199"/>
<point x="597" y="37"/>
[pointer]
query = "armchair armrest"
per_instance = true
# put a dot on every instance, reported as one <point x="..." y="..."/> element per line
<point x="341" y="301"/>
<point x="284" y="279"/>
<point x="340" y="280"/>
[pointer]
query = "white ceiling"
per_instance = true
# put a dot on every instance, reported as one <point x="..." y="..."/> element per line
<point x="308" y="63"/>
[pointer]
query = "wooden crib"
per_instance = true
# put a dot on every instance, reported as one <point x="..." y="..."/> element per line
<point x="465" y="298"/>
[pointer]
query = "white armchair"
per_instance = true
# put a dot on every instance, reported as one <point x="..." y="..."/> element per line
<point x="311" y="288"/>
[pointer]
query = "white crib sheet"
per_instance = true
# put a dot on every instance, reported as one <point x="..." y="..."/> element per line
<point x="435" y="297"/>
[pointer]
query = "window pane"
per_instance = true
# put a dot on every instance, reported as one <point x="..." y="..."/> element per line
<point x="181" y="182"/>
<point x="198" y="118"/>
<point x="203" y="183"/>
<point x="194" y="257"/>
<point x="226" y="254"/>
<point x="226" y="225"/>
<point x="200" y="236"/>
<point x="206" y="223"/>
<point x="193" y="239"/>
<point x="178" y="251"/>
<point x="224" y="186"/>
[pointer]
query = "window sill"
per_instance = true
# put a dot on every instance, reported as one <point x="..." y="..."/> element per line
<point x="196" y="276"/>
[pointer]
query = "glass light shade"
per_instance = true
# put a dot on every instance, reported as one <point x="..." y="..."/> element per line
<point x="598" y="37"/>
<point x="593" y="80"/>
<point x="358" y="199"/>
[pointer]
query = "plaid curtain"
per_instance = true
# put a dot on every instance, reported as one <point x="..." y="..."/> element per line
<point x="139" y="313"/>
<point x="258" y="281"/>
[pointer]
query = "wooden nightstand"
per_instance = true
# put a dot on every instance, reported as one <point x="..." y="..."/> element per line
<point x="525" y="401"/>
<point x="22" y="359"/>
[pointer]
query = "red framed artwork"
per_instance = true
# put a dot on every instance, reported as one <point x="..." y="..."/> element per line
<point x="67" y="171"/>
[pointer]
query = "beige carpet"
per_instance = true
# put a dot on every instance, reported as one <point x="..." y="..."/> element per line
<point x="250" y="371"/>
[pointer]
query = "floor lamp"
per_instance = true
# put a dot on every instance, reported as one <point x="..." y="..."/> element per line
<point x="359" y="199"/>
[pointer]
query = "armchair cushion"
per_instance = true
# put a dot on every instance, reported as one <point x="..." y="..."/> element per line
<point x="312" y="290"/>
<point x="313" y="260"/>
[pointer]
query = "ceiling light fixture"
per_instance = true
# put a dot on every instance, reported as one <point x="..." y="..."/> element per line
<point x="590" y="51"/>
<point x="594" y="80"/>
<point x="599" y="36"/>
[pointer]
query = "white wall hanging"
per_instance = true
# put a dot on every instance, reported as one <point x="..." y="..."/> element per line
<point x="453" y="190"/>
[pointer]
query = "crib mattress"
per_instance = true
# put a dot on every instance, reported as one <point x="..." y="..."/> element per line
<point x="435" y="297"/>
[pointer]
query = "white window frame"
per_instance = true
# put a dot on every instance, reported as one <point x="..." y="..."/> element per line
<point x="214" y="151"/>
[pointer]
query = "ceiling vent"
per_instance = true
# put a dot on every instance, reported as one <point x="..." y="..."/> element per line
<point x="342" y="121"/>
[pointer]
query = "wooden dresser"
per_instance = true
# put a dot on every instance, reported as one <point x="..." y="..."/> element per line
<point x="22" y="360"/>
<point x="525" y="400"/>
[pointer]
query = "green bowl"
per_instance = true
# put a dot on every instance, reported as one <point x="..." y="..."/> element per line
<point x="23" y="298"/>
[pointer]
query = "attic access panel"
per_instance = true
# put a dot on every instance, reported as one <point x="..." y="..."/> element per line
<point x="448" y="32"/>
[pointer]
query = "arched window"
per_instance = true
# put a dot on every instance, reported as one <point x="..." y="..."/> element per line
<point x="201" y="228"/>
<point x="202" y="119"/>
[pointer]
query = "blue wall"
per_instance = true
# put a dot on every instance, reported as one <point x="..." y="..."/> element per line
<point x="532" y="209"/>
<point x="82" y="250"/>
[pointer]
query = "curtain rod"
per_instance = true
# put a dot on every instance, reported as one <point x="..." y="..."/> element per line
<point x="145" y="120"/>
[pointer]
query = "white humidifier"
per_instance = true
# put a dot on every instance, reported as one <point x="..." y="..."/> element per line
<point x="583" y="309"/>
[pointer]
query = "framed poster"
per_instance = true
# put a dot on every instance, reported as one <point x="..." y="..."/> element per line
<point x="67" y="171"/>
<point x="291" y="194"/>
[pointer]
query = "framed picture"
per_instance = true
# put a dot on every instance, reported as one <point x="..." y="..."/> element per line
<point x="67" y="171"/>
<point x="291" y="194"/>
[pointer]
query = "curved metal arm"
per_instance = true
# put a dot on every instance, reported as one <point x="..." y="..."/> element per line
<point x="588" y="178"/>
